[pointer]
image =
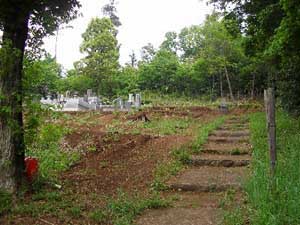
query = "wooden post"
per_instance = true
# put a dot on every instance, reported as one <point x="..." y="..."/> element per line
<point x="269" y="97"/>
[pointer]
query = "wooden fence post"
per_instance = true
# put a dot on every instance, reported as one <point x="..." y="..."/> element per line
<point x="269" y="97"/>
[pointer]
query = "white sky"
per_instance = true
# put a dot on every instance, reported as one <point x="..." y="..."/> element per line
<point x="143" y="21"/>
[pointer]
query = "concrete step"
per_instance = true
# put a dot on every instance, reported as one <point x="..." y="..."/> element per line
<point x="209" y="179"/>
<point x="235" y="127"/>
<point x="230" y="133"/>
<point x="219" y="139"/>
<point x="181" y="216"/>
<point x="226" y="148"/>
<point x="220" y="160"/>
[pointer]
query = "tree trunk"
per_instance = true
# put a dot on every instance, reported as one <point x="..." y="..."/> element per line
<point x="253" y="86"/>
<point x="11" y="118"/>
<point x="229" y="83"/>
<point x="221" y="85"/>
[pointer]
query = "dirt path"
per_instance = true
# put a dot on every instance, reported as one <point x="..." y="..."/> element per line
<point x="221" y="166"/>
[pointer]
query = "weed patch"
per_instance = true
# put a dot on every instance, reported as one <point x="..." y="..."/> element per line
<point x="203" y="133"/>
<point x="123" y="209"/>
<point x="5" y="202"/>
<point x="46" y="148"/>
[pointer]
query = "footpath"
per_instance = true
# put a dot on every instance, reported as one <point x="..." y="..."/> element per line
<point x="221" y="166"/>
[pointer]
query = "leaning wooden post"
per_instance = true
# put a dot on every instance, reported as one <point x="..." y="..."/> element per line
<point x="271" y="125"/>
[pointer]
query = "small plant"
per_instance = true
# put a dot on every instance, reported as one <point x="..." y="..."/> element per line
<point x="204" y="132"/>
<point x="98" y="216"/>
<point x="124" y="208"/>
<point x="92" y="148"/>
<point x="5" y="201"/>
<point x="75" y="211"/>
<point x="236" y="152"/>
<point x="47" y="149"/>
<point x="182" y="154"/>
<point x="163" y="172"/>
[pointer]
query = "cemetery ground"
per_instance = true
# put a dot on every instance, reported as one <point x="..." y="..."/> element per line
<point x="117" y="168"/>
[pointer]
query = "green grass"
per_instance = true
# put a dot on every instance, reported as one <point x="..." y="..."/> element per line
<point x="272" y="200"/>
<point x="123" y="209"/>
<point x="158" y="99"/>
<point x="46" y="148"/>
<point x="168" y="126"/>
<point x="203" y="133"/>
<point x="275" y="200"/>
<point x="163" y="172"/>
<point x="5" y="202"/>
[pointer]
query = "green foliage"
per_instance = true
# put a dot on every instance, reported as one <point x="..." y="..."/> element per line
<point x="76" y="82"/>
<point x="203" y="133"/>
<point x="5" y="202"/>
<point x="160" y="73"/>
<point x="98" y="216"/>
<point x="46" y="147"/>
<point x="101" y="46"/>
<point x="123" y="209"/>
<point x="272" y="30"/>
<point x="182" y="154"/>
<point x="41" y="77"/>
<point x="147" y="53"/>
<point x="168" y="126"/>
<point x="190" y="42"/>
<point x="170" y="43"/>
<point x="163" y="172"/>
<point x="127" y="80"/>
<point x="275" y="200"/>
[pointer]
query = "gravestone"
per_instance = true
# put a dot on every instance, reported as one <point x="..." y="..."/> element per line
<point x="138" y="101"/>
<point x="223" y="106"/>
<point x="67" y="94"/>
<point x="131" y="98"/>
<point x="89" y="93"/>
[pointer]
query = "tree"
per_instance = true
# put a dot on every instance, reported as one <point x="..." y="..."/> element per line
<point x="223" y="51"/>
<point x="160" y="74"/>
<point x="110" y="10"/>
<point x="272" y="32"/>
<point x="17" y="17"/>
<point x="147" y="53"/>
<point x="76" y="82"/>
<point x="41" y="77"/>
<point x="133" y="59"/>
<point x="170" y="43"/>
<point x="190" y="42"/>
<point x="102" y="53"/>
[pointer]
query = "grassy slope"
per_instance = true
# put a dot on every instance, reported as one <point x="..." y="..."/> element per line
<point x="275" y="201"/>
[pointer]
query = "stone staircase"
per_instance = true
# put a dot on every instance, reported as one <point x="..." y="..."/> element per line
<point x="221" y="166"/>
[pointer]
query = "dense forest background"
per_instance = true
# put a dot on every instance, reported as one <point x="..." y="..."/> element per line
<point x="242" y="48"/>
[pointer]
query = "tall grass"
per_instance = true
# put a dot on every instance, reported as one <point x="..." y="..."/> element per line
<point x="275" y="201"/>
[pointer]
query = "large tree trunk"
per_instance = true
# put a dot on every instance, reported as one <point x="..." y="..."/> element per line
<point x="11" y="120"/>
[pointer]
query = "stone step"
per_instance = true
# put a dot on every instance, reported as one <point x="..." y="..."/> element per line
<point x="226" y="148"/>
<point x="237" y="120"/>
<point x="219" y="139"/>
<point x="181" y="216"/>
<point x="230" y="133"/>
<point x="220" y="160"/>
<point x="209" y="179"/>
<point x="237" y="126"/>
